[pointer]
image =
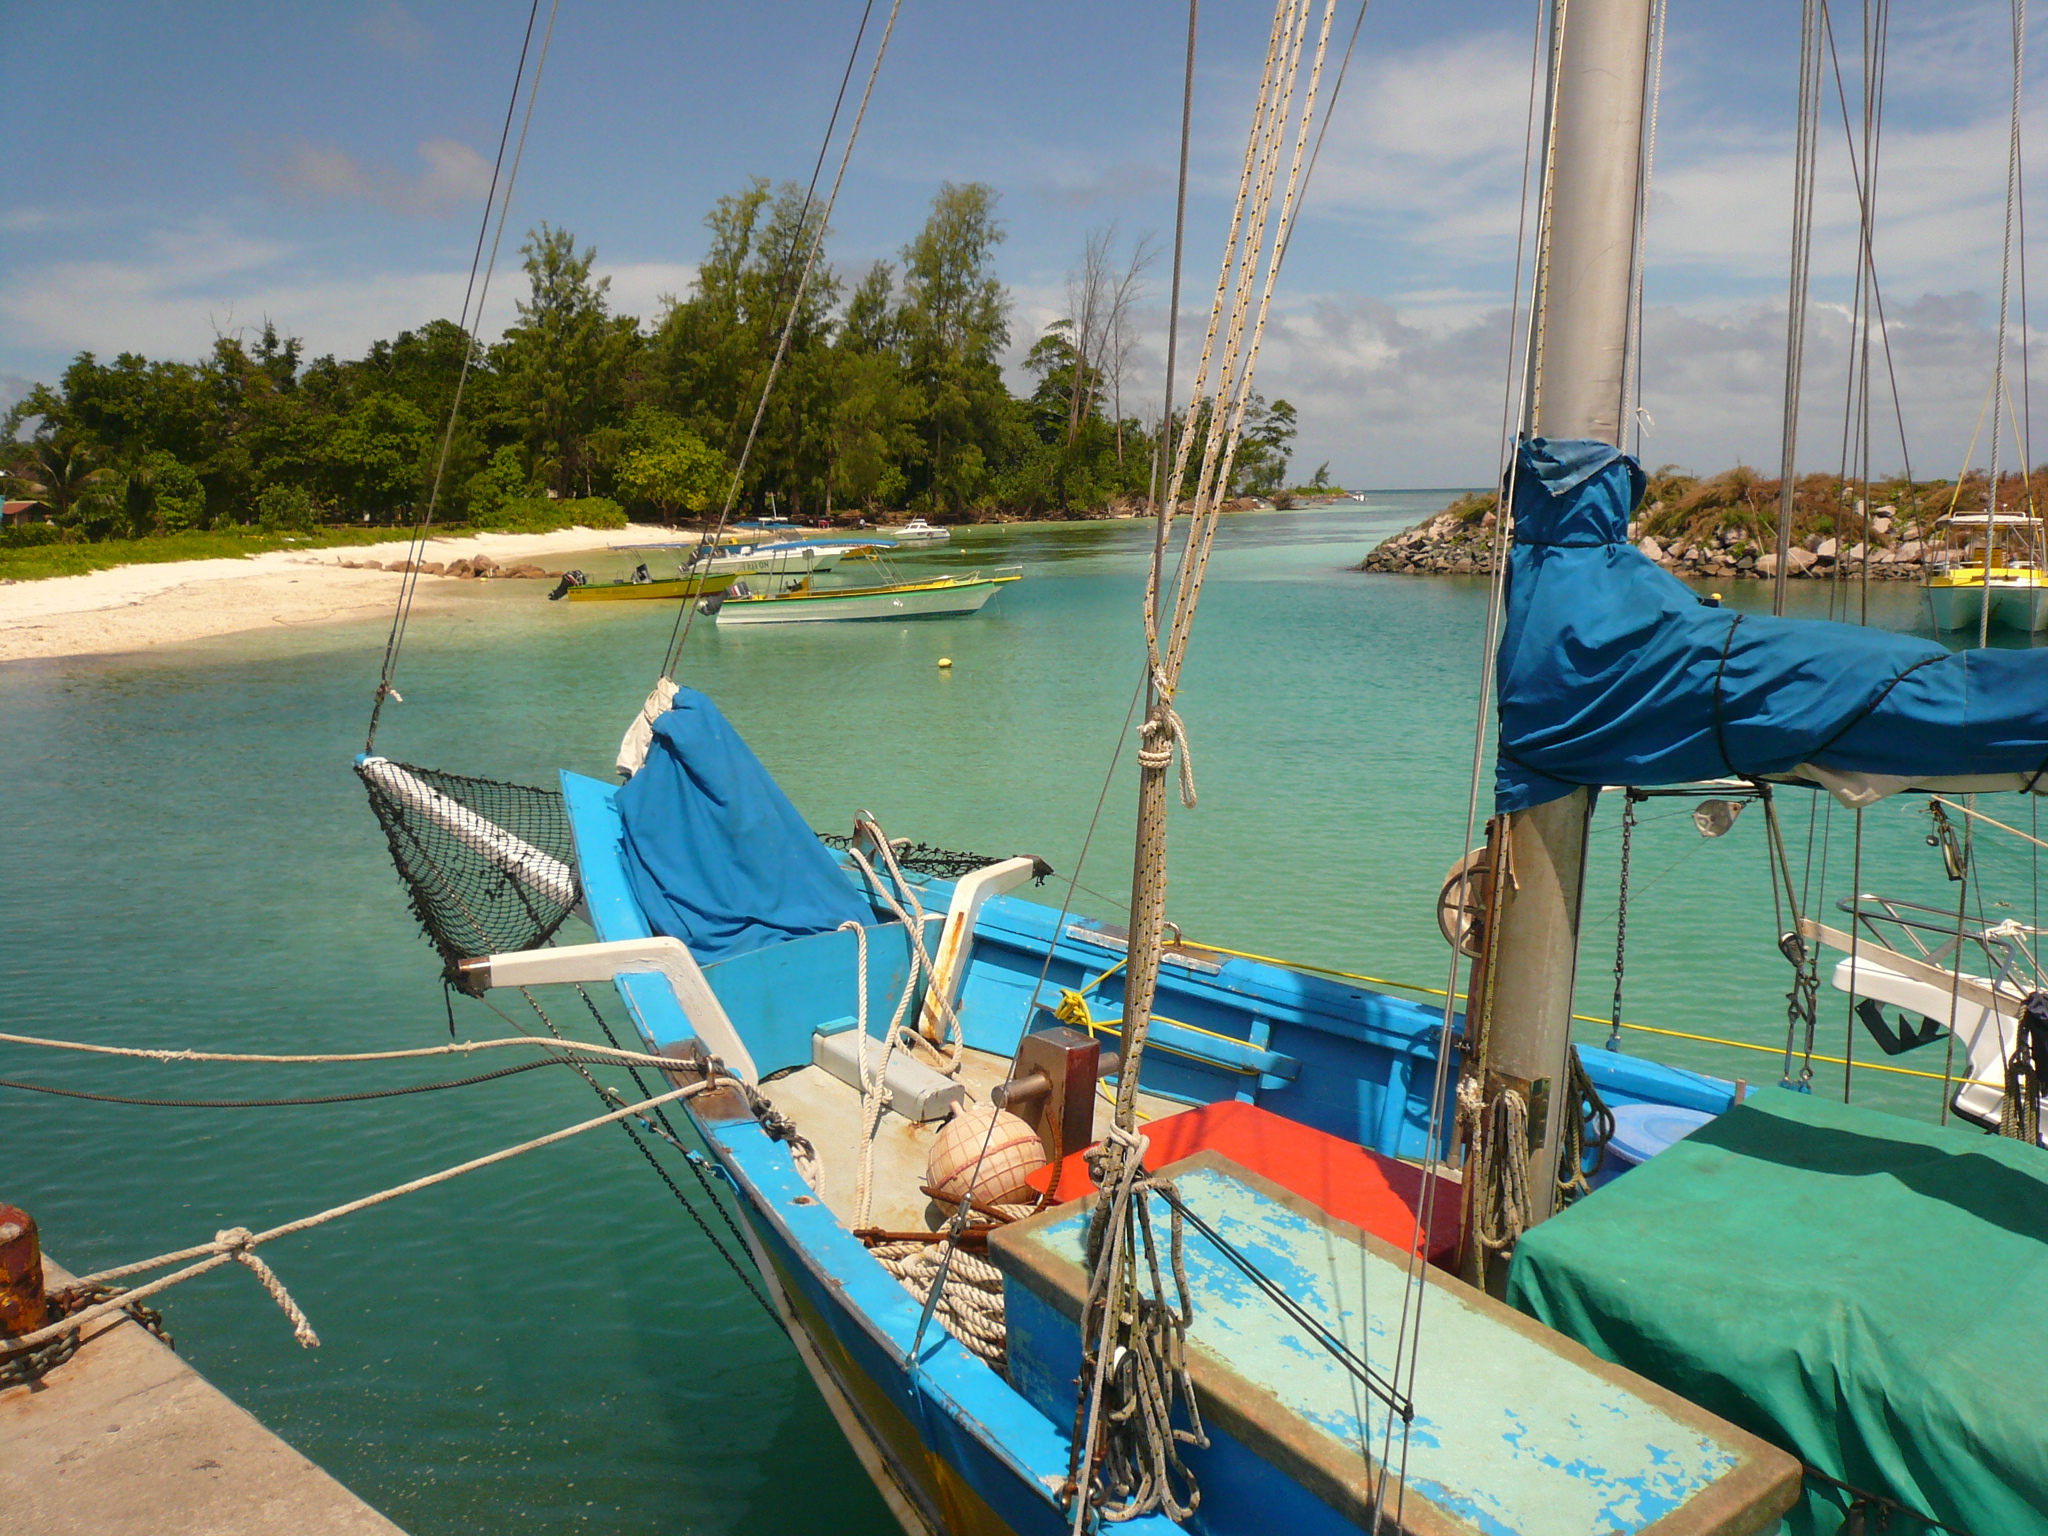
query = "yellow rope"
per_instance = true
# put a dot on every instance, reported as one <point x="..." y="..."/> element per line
<point x="1583" y="1018"/>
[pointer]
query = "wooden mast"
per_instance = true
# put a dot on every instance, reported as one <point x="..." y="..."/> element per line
<point x="1578" y="386"/>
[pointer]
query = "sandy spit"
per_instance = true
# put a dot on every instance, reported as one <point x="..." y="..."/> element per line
<point x="133" y="607"/>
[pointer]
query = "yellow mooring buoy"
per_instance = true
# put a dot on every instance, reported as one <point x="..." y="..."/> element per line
<point x="945" y="663"/>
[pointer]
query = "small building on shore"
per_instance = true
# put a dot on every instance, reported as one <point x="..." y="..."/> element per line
<point x="14" y="513"/>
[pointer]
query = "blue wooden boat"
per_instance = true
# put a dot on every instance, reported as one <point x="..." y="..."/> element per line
<point x="962" y="1435"/>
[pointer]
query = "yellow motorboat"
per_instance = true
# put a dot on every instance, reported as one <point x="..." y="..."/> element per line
<point x="704" y="584"/>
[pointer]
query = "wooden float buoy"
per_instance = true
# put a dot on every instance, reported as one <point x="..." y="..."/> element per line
<point x="1014" y="1154"/>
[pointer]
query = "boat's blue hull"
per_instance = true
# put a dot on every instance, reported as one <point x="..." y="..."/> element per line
<point x="950" y="1444"/>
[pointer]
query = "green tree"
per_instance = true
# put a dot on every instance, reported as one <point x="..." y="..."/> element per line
<point x="670" y="466"/>
<point x="955" y="322"/>
<point x="375" y="458"/>
<point x="564" y="366"/>
<point x="164" y="496"/>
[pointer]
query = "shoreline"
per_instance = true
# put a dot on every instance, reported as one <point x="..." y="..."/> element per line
<point x="134" y="607"/>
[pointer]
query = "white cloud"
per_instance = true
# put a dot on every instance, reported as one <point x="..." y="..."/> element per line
<point x="391" y="27"/>
<point x="187" y="285"/>
<point x="453" y="177"/>
<point x="639" y="287"/>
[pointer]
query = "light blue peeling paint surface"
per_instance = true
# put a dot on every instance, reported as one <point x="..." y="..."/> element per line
<point x="1507" y="1435"/>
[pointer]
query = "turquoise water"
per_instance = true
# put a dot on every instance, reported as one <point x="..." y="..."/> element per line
<point x="551" y="1344"/>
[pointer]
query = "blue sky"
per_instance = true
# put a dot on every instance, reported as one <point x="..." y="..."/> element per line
<point x="178" y="170"/>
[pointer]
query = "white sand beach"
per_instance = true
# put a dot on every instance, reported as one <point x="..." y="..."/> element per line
<point x="133" y="607"/>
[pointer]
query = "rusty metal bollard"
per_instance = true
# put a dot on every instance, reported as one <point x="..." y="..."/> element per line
<point x="23" y="1308"/>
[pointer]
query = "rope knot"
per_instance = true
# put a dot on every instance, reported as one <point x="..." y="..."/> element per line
<point x="1161" y="731"/>
<point x="238" y="1243"/>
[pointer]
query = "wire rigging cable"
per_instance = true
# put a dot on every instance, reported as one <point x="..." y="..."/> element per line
<point x="470" y="323"/>
<point x="1806" y="145"/>
<point x="681" y="634"/>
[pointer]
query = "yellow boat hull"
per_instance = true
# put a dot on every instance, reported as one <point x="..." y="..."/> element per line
<point x="649" y="591"/>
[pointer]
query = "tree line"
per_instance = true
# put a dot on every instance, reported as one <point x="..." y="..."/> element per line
<point x="890" y="396"/>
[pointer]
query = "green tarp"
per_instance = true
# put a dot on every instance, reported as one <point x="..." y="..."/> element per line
<point x="1867" y="1292"/>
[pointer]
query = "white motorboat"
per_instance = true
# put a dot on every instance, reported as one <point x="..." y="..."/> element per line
<point x="918" y="531"/>
<point x="946" y="597"/>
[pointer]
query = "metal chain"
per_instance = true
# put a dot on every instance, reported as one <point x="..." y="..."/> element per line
<point x="1628" y="831"/>
<point x="654" y="1162"/>
<point x="32" y="1365"/>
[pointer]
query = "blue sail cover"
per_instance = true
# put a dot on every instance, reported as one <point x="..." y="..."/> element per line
<point x="715" y="853"/>
<point x="1612" y="671"/>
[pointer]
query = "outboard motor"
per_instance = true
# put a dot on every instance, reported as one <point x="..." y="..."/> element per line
<point x="569" y="579"/>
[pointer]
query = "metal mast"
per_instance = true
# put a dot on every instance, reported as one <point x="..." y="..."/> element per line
<point x="1578" y="384"/>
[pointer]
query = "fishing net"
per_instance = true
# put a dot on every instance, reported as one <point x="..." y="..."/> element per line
<point x="490" y="867"/>
<point x="939" y="863"/>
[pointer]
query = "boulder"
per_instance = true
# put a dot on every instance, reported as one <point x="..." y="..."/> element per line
<point x="1824" y="552"/>
<point x="432" y="568"/>
<point x="1880" y="525"/>
<point x="1767" y="565"/>
<point x="482" y="565"/>
<point x="1907" y="553"/>
<point x="1651" y="549"/>
<point x="459" y="568"/>
<point x="529" y="572"/>
<point x="1800" y="561"/>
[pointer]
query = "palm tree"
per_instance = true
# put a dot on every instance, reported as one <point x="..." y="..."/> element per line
<point x="60" y="471"/>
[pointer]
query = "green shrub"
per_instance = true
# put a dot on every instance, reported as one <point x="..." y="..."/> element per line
<point x="539" y="514"/>
<point x="30" y="535"/>
<point x="284" y="508"/>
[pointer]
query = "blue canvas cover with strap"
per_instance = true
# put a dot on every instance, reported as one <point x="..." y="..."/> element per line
<point x="1863" y="1290"/>
<point x="715" y="853"/>
<point x="1612" y="671"/>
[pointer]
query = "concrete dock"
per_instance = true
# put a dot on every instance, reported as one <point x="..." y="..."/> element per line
<point x="126" y="1439"/>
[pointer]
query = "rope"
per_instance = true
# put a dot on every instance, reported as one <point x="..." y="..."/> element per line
<point x="874" y="1087"/>
<point x="972" y="1312"/>
<point x="1803" y="182"/>
<point x="236" y="1244"/>
<point x="1588" y="1112"/>
<point x="2026" y="1073"/>
<point x="322" y="1098"/>
<point x="457" y="1048"/>
<point x="1137" y="1369"/>
<point x="1126" y="1464"/>
<point x="409" y="583"/>
<point x="1503" y="1208"/>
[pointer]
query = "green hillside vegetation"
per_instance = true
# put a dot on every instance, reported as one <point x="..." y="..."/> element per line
<point x="891" y="397"/>
<point x="1690" y="509"/>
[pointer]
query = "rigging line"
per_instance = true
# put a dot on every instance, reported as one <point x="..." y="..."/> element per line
<point x="321" y="1098"/>
<point x="1515" y="415"/>
<point x="1855" y="942"/>
<point x="688" y="611"/>
<point x="2019" y="12"/>
<point x="1876" y="285"/>
<point x="613" y="1098"/>
<point x="215" y="1253"/>
<point x="1180" y="229"/>
<point x="1059" y="926"/>
<point x="457" y="1048"/>
<point x="1806" y="143"/>
<point x="1631" y="411"/>
<point x="409" y="581"/>
<point x="1955" y="986"/>
<point x="1329" y="111"/>
<point x="670" y="1135"/>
